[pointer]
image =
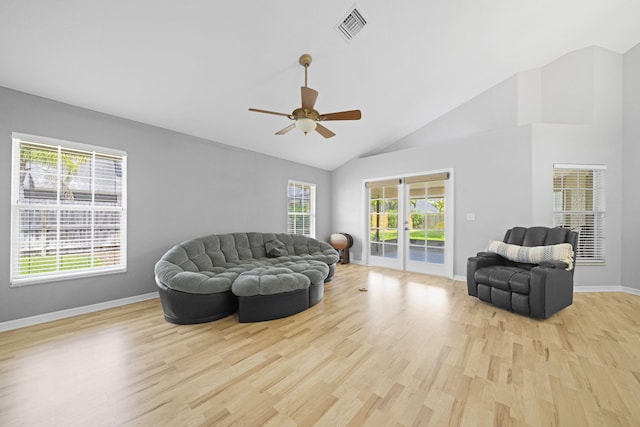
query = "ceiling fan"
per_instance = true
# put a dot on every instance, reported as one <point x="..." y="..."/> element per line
<point x="306" y="118"/>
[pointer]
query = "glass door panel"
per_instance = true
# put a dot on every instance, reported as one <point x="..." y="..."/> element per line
<point x="417" y="222"/>
<point x="426" y="227"/>
<point x="383" y="225"/>
<point x="436" y="222"/>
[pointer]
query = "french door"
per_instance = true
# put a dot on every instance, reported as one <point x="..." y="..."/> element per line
<point x="408" y="223"/>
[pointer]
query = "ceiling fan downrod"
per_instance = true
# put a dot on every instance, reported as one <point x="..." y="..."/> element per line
<point x="305" y="61"/>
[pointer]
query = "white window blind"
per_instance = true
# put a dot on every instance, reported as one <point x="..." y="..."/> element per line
<point x="579" y="204"/>
<point x="68" y="210"/>
<point x="301" y="211"/>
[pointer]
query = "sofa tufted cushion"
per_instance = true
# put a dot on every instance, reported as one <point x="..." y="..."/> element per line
<point x="533" y="255"/>
<point x="228" y="247"/>
<point x="316" y="271"/>
<point x="206" y="282"/>
<point x="257" y="244"/>
<point x="269" y="281"/>
<point x="212" y="249"/>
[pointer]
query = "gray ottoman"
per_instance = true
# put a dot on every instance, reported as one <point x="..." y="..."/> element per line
<point x="317" y="273"/>
<point x="267" y="293"/>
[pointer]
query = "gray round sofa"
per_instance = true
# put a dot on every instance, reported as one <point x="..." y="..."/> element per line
<point x="263" y="276"/>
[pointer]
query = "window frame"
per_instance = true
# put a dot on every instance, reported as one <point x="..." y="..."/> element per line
<point x="58" y="274"/>
<point x="312" y="208"/>
<point x="597" y="237"/>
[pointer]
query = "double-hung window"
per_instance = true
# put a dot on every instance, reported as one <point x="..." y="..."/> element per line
<point x="301" y="212"/>
<point x="68" y="210"/>
<point x="579" y="204"/>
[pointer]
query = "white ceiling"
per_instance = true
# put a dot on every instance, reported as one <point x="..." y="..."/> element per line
<point x="195" y="66"/>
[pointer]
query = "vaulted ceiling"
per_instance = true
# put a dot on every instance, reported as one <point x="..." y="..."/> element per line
<point x="197" y="66"/>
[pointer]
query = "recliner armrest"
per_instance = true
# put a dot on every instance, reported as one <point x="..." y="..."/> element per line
<point x="555" y="264"/>
<point x="489" y="255"/>
<point x="482" y="259"/>
<point x="551" y="289"/>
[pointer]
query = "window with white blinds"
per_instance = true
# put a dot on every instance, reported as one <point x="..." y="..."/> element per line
<point x="68" y="210"/>
<point x="301" y="211"/>
<point x="579" y="204"/>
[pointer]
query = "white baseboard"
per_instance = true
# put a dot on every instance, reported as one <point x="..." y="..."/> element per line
<point x="631" y="291"/>
<point x="63" y="314"/>
<point x="624" y="289"/>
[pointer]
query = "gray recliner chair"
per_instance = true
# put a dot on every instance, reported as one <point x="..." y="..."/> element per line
<point x="534" y="290"/>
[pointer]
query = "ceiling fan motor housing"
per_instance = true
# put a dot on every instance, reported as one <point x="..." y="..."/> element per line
<point x="301" y="113"/>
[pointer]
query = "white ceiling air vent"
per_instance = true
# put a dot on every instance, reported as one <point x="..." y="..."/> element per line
<point x="351" y="24"/>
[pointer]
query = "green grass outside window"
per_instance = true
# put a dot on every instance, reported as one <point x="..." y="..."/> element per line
<point x="47" y="263"/>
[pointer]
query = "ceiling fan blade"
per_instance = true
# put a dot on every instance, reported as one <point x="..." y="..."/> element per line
<point x="324" y="131"/>
<point x="268" y="112"/>
<point x="285" y="130"/>
<point x="309" y="97"/>
<point x="342" y="115"/>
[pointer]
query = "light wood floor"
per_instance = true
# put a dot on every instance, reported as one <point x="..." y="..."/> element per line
<point x="412" y="350"/>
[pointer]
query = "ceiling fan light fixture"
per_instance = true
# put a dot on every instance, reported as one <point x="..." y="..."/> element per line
<point x="306" y="124"/>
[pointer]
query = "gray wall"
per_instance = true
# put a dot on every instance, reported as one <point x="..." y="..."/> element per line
<point x="631" y="171"/>
<point x="569" y="111"/>
<point x="179" y="187"/>
<point x="470" y="118"/>
<point x="582" y="123"/>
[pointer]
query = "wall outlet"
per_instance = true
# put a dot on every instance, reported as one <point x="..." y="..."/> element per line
<point x="471" y="217"/>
